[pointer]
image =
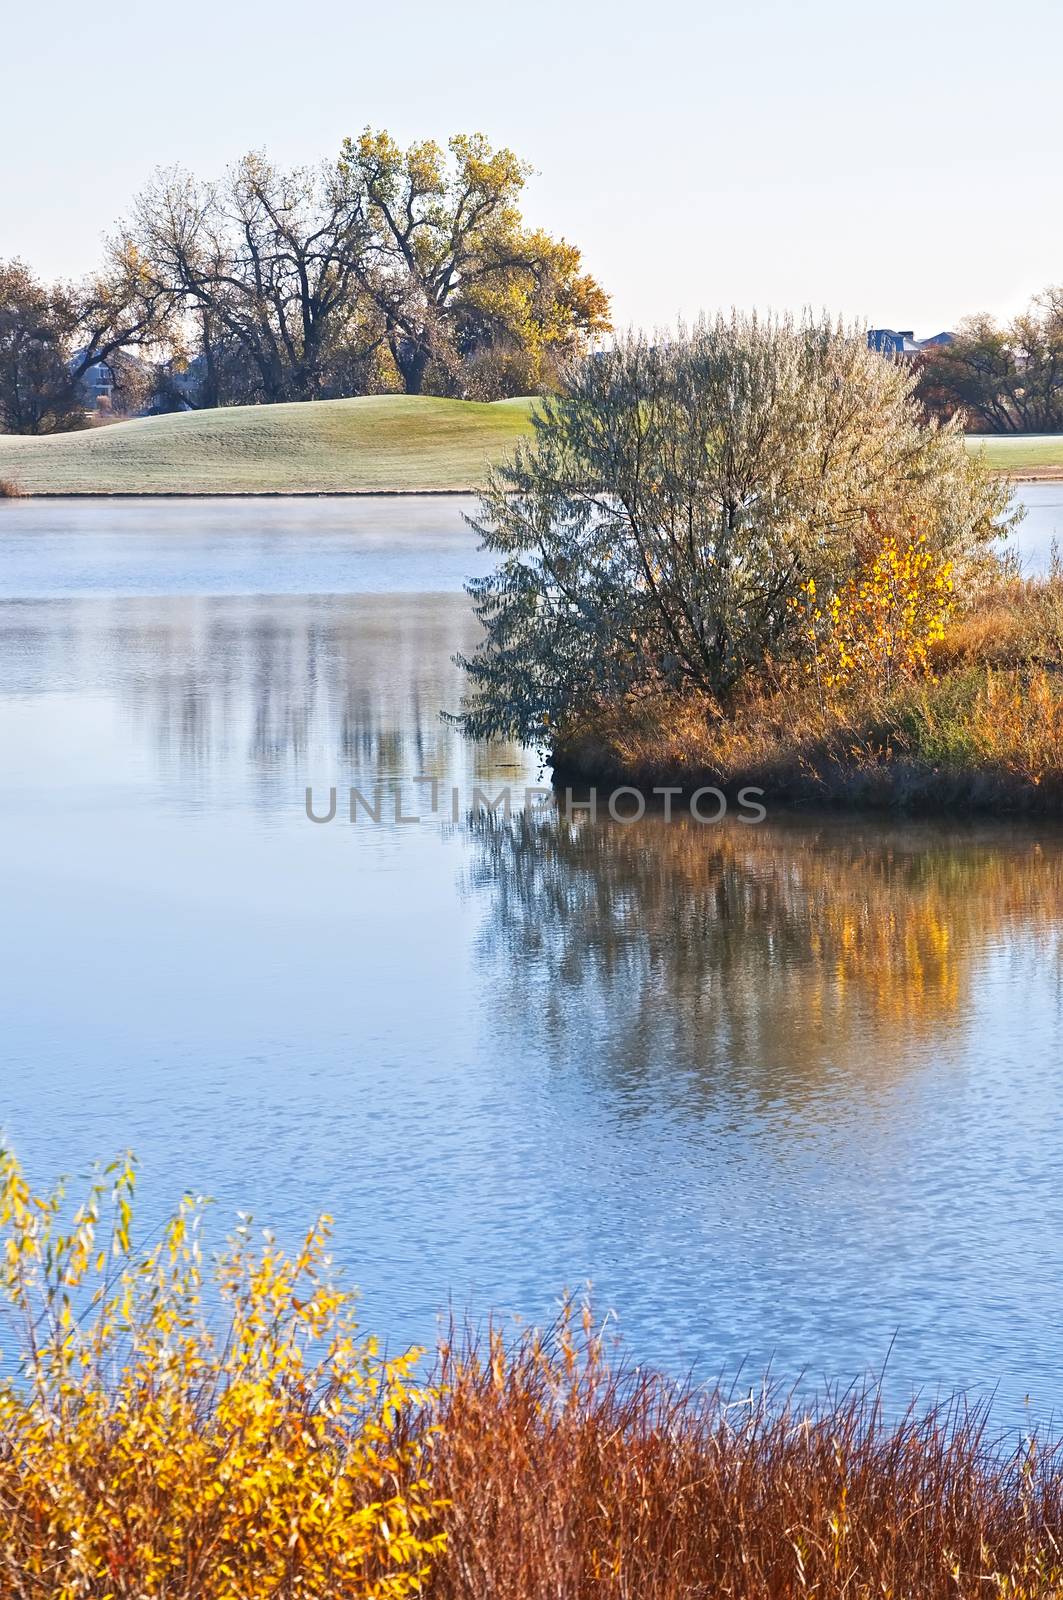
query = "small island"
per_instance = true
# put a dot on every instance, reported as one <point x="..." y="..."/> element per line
<point x="746" y="556"/>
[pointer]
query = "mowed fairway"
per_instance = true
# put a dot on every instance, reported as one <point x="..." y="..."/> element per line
<point x="1031" y="455"/>
<point x="375" y="444"/>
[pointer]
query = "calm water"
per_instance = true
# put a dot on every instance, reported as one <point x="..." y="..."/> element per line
<point x="783" y="1093"/>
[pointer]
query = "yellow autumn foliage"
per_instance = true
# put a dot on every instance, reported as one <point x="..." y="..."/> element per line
<point x="880" y="626"/>
<point x="170" y="1430"/>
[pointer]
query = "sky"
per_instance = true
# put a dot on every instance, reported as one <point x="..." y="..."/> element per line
<point x="901" y="164"/>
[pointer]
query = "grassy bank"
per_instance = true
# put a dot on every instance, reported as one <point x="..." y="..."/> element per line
<point x="1022" y="456"/>
<point x="565" y="1474"/>
<point x="377" y="444"/>
<point x="982" y="730"/>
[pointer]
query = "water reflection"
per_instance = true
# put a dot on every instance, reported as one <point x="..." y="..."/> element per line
<point x="782" y="1092"/>
<point x="764" y="957"/>
<point x="279" y="689"/>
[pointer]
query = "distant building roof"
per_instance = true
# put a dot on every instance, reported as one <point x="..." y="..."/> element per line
<point x="902" y="341"/>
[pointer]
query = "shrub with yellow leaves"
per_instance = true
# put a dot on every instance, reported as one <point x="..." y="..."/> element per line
<point x="878" y="627"/>
<point x="151" y="1446"/>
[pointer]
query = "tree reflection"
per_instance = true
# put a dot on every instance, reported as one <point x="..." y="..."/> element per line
<point x="279" y="690"/>
<point x="775" y="955"/>
<point x="271" y="683"/>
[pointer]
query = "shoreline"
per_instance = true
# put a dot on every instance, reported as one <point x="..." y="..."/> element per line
<point x="1032" y="475"/>
<point x="915" y="793"/>
<point x="819" y="778"/>
<point x="239" y="494"/>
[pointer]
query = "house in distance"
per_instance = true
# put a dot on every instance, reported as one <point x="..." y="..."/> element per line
<point x="894" y="342"/>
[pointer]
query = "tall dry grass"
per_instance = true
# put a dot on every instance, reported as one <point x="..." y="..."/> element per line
<point x="1013" y="622"/>
<point x="566" y="1476"/>
<point x="980" y="728"/>
<point x="10" y="490"/>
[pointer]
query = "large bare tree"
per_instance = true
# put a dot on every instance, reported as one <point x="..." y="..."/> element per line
<point x="266" y="260"/>
<point x="385" y="268"/>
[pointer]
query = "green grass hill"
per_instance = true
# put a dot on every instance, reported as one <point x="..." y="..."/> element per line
<point x="375" y="444"/>
<point x="1030" y="455"/>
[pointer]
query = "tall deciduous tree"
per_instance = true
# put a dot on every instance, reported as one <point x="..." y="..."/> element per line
<point x="267" y="260"/>
<point x="51" y="335"/>
<point x="35" y="391"/>
<point x="452" y="269"/>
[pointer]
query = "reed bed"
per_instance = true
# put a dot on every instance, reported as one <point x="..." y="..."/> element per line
<point x="566" y="1475"/>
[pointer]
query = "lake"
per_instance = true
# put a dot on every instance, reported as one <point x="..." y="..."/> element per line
<point x="785" y="1094"/>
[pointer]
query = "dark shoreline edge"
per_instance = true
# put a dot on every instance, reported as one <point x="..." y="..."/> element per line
<point x="896" y="788"/>
<point x="239" y="494"/>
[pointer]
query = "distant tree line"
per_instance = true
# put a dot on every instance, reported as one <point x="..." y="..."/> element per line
<point x="1001" y="377"/>
<point x="410" y="271"/>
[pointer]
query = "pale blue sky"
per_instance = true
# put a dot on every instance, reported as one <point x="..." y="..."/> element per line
<point x="901" y="162"/>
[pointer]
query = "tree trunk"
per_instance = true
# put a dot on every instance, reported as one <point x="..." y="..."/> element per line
<point x="411" y="357"/>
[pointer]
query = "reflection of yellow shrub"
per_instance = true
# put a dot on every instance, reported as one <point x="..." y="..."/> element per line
<point x="142" y="1454"/>
<point x="880" y="625"/>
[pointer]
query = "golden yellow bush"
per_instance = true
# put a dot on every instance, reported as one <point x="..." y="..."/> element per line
<point x="150" y="1447"/>
<point x="879" y="626"/>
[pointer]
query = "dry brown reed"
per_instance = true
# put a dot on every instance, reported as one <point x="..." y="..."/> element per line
<point x="570" y="1476"/>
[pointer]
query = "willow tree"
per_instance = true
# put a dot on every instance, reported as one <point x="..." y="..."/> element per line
<point x="658" y="528"/>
